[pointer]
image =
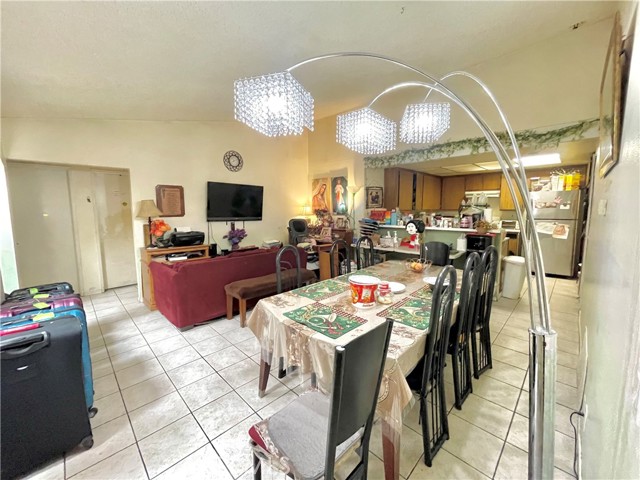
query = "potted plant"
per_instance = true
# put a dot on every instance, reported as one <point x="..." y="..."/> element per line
<point x="235" y="236"/>
<point x="482" y="226"/>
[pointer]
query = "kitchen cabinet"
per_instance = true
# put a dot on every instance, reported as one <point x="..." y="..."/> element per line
<point x="399" y="189"/>
<point x="453" y="189"/>
<point x="506" y="202"/>
<point x="482" y="181"/>
<point x="431" y="192"/>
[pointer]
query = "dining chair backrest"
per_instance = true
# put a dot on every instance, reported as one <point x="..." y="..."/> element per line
<point x="480" y="331"/>
<point x="469" y="289"/>
<point x="364" y="252"/>
<point x="298" y="229"/>
<point x="288" y="258"/>
<point x="433" y="403"/>
<point x="442" y="300"/>
<point x="340" y="251"/>
<point x="358" y="368"/>
<point x="461" y="329"/>
<point x="437" y="253"/>
<point x="487" y="282"/>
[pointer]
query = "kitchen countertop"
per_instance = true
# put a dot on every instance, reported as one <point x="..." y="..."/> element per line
<point x="446" y="229"/>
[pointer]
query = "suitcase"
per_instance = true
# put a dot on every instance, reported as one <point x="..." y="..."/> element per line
<point x="43" y="412"/>
<point x="52" y="315"/>
<point x="24" y="293"/>
<point x="40" y="302"/>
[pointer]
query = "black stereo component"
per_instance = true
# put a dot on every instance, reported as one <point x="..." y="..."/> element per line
<point x="213" y="250"/>
<point x="186" y="239"/>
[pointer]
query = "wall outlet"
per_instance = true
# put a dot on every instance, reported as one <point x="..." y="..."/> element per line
<point x="602" y="207"/>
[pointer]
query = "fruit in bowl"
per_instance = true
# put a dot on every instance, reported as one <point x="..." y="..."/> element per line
<point x="417" y="266"/>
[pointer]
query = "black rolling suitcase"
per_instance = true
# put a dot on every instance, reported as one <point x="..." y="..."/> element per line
<point x="43" y="409"/>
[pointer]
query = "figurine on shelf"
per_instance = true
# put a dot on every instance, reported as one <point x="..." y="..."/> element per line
<point x="414" y="229"/>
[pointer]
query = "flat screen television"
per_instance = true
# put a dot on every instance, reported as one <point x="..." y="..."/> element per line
<point x="232" y="201"/>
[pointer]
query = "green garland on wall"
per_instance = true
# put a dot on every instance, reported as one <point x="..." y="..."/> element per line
<point x="526" y="138"/>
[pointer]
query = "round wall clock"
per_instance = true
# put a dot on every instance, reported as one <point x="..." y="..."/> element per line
<point x="233" y="161"/>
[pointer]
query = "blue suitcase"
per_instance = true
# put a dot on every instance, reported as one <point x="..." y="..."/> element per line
<point x="51" y="316"/>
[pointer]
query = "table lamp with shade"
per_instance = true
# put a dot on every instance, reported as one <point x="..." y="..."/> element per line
<point x="148" y="209"/>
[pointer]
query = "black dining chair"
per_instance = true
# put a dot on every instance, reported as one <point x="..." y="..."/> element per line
<point x="308" y="436"/>
<point x="437" y="253"/>
<point x="365" y="255"/>
<point x="461" y="330"/>
<point x="341" y="252"/>
<point x="428" y="376"/>
<point x="480" y="333"/>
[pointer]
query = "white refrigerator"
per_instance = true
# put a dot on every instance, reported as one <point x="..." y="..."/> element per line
<point x="559" y="217"/>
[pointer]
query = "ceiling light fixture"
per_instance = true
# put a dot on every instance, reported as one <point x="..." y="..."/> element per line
<point x="539" y="160"/>
<point x="254" y="107"/>
<point x="424" y="122"/>
<point x="274" y="105"/>
<point x="366" y="132"/>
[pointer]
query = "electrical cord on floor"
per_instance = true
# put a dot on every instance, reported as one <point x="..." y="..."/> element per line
<point x="575" y="439"/>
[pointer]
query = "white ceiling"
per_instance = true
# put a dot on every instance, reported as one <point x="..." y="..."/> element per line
<point x="178" y="60"/>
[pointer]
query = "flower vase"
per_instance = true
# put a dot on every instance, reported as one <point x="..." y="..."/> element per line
<point x="235" y="246"/>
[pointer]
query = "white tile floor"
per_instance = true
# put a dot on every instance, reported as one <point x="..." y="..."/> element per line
<point x="178" y="405"/>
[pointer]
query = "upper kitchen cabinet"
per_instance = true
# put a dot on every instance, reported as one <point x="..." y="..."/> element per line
<point x="431" y="191"/>
<point x="453" y="189"/>
<point x="506" y="202"/>
<point x="398" y="188"/>
<point x="482" y="181"/>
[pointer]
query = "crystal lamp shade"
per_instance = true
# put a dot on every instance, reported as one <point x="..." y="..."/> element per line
<point x="424" y="122"/>
<point x="366" y="132"/>
<point x="274" y="105"/>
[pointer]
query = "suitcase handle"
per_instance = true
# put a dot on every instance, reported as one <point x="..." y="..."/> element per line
<point x="30" y="343"/>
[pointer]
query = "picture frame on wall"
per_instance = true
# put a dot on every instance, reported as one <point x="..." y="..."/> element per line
<point x="611" y="102"/>
<point x="170" y="200"/>
<point x="374" y="197"/>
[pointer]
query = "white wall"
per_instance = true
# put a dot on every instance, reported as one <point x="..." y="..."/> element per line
<point x="175" y="153"/>
<point x="610" y="306"/>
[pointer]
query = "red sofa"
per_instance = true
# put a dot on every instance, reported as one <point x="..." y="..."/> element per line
<point x="193" y="292"/>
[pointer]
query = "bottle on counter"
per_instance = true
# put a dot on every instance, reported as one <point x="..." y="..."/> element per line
<point x="395" y="240"/>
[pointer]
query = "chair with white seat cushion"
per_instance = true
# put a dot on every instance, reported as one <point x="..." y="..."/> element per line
<point x="307" y="437"/>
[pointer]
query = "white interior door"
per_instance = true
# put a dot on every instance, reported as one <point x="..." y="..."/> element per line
<point x="42" y="224"/>
<point x="113" y="204"/>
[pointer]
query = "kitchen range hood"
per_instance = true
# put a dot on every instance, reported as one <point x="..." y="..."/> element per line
<point x="486" y="193"/>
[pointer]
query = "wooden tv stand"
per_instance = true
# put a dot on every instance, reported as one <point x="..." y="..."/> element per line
<point x="148" y="255"/>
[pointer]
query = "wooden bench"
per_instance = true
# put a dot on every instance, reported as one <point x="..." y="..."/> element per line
<point x="260" y="287"/>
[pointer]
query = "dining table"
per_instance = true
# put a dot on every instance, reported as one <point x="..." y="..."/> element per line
<point x="301" y="328"/>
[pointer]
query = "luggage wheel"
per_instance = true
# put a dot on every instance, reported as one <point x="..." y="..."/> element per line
<point x="87" y="442"/>
<point x="92" y="412"/>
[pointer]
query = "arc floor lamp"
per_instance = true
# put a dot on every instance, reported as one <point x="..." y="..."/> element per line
<point x="277" y="105"/>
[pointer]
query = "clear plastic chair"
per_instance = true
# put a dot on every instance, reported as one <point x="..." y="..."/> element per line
<point x="365" y="255"/>
<point x="340" y="251"/>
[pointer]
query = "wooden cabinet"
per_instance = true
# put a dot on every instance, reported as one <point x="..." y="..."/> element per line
<point x="431" y="192"/>
<point x="148" y="255"/>
<point x="491" y="181"/>
<point x="506" y="202"/>
<point x="398" y="188"/>
<point x="482" y="181"/>
<point x="453" y="189"/>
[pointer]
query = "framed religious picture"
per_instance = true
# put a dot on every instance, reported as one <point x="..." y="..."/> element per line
<point x="374" y="197"/>
<point x="321" y="195"/>
<point x="339" y="195"/>
<point x="170" y="200"/>
<point x="610" y="102"/>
